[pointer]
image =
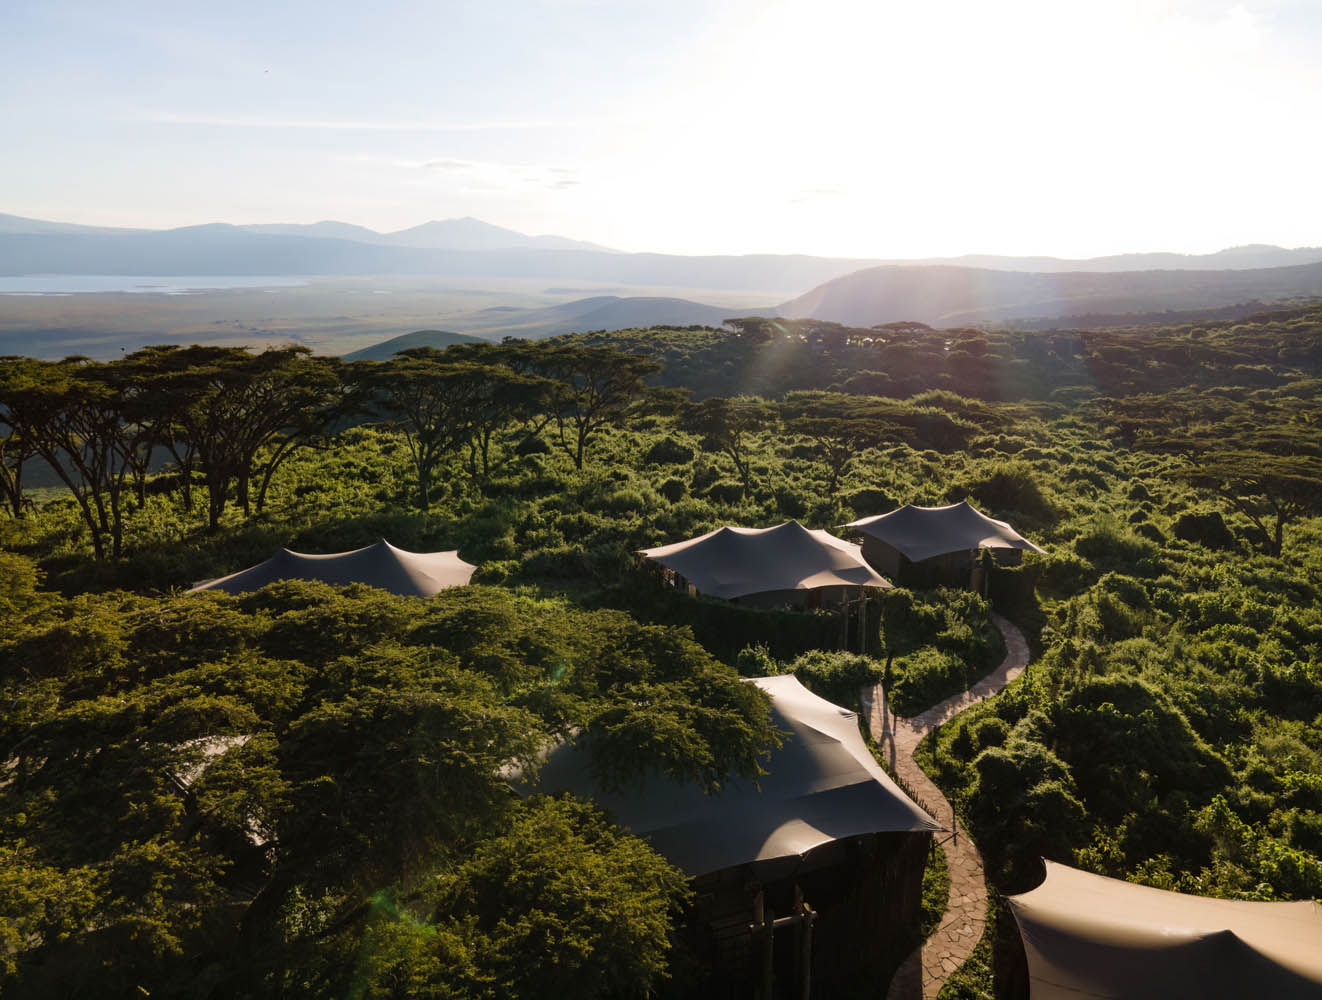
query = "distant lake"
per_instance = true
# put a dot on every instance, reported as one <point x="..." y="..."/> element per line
<point x="79" y="284"/>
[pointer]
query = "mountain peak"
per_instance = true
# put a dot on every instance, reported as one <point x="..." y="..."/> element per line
<point x="468" y="233"/>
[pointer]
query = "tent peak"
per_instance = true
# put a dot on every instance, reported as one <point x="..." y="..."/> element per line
<point x="921" y="533"/>
<point x="380" y="564"/>
<point x="731" y="562"/>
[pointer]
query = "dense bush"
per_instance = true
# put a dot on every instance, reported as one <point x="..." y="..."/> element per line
<point x="369" y="736"/>
<point x="1168" y="731"/>
<point x="668" y="451"/>
<point x="1206" y="528"/>
<point x="838" y="677"/>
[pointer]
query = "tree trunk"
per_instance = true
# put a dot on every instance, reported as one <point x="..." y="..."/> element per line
<point x="424" y="485"/>
<point x="582" y="441"/>
<point x="241" y="490"/>
<point x="13" y="485"/>
<point x="285" y="449"/>
<point x="185" y="464"/>
<point x="261" y="490"/>
<point x="216" y="483"/>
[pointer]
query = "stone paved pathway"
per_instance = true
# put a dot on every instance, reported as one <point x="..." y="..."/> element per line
<point x="927" y="969"/>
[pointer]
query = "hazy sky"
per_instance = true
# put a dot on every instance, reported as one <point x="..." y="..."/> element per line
<point x="1066" y="127"/>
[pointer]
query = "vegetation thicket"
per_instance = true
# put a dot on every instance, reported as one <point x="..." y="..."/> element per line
<point x="304" y="790"/>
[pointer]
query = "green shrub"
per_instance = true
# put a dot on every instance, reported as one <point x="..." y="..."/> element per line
<point x="1106" y="544"/>
<point x="1151" y="532"/>
<point x="532" y="445"/>
<point x="1128" y="589"/>
<point x="989" y="732"/>
<point x="1208" y="529"/>
<point x="756" y="661"/>
<point x="790" y="502"/>
<point x="836" y="676"/>
<point x="668" y="451"/>
<point x="496" y="571"/>
<point x="922" y="679"/>
<point x="703" y="477"/>
<point x="1010" y="488"/>
<point x="869" y="501"/>
<point x="626" y="502"/>
<point x="673" y="489"/>
<point x="726" y="491"/>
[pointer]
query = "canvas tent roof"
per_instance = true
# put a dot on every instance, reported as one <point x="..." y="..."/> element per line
<point x="821" y="785"/>
<point x="1090" y="936"/>
<point x="412" y="574"/>
<point x="923" y="532"/>
<point x="734" y="562"/>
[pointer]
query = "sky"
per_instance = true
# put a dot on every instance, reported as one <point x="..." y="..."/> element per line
<point x="875" y="129"/>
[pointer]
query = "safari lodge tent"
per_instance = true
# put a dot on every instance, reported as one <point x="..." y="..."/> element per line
<point x="768" y="567"/>
<point x="937" y="546"/>
<point x="411" y="574"/>
<point x="1089" y="936"/>
<point x="825" y="830"/>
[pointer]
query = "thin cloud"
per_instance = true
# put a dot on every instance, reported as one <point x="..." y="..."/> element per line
<point x="345" y="125"/>
<point x="812" y="194"/>
<point x="486" y="177"/>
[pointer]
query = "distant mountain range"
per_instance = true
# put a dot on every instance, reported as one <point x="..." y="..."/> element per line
<point x="949" y="291"/>
<point x="1256" y="255"/>
<point x="459" y="248"/>
<point x="472" y="248"/>
<point x="943" y="295"/>
<point x="451" y="234"/>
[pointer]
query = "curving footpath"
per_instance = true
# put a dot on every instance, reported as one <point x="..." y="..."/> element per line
<point x="926" y="970"/>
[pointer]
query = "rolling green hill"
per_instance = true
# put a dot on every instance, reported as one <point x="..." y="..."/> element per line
<point x="418" y="338"/>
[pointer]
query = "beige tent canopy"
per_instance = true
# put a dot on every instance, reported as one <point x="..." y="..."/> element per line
<point x="822" y="785"/>
<point x="412" y="574"/>
<point x="921" y="533"/>
<point x="1090" y="936"/>
<point x="737" y="562"/>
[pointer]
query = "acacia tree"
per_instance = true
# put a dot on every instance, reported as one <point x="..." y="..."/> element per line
<point x="74" y="415"/>
<point x="1272" y="491"/>
<point x="235" y="415"/>
<point x="592" y="387"/>
<point x="510" y="393"/>
<point x="433" y="401"/>
<point x="15" y="449"/>
<point x="1262" y="456"/>
<point x="726" y="425"/>
<point x="308" y="396"/>
<point x="838" y="425"/>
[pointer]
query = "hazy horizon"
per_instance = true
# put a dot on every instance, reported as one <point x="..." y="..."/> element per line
<point x="242" y="224"/>
<point x="836" y="129"/>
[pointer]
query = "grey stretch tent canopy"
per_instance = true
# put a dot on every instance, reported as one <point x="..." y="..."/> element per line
<point x="1089" y="936"/>
<point x="821" y="785"/>
<point x="921" y="533"/>
<point x="736" y="562"/>
<point x="412" y="574"/>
